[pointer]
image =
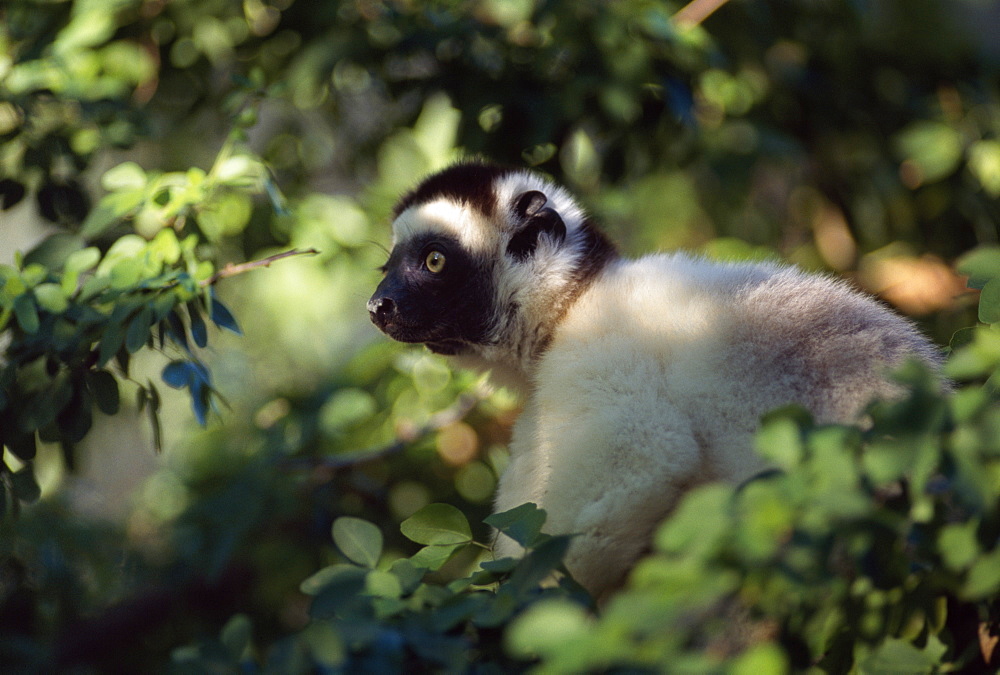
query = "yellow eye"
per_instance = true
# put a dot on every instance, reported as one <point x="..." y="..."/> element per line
<point x="435" y="261"/>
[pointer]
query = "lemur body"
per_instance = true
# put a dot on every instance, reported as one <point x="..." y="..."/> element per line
<point x="640" y="378"/>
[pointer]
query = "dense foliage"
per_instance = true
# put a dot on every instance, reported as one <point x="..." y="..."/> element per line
<point x="326" y="506"/>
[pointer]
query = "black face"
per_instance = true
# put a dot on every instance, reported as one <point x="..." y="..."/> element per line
<point x="436" y="293"/>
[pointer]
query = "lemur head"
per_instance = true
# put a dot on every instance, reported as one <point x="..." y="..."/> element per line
<point x="485" y="260"/>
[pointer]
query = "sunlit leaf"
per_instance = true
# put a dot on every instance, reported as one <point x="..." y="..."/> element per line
<point x="547" y="627"/>
<point x="51" y="298"/>
<point x="125" y="176"/>
<point x="761" y="658"/>
<point x="382" y="584"/>
<point x="436" y="525"/>
<point x="100" y="219"/>
<point x="359" y="540"/>
<point x="957" y="544"/>
<point x="984" y="163"/>
<point x="980" y="265"/>
<point x="983" y="579"/>
<point x="934" y="147"/>
<point x="433" y="557"/>
<point x="989" y="302"/>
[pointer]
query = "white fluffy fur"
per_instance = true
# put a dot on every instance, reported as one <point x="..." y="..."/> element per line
<point x="654" y="377"/>
<point x="656" y="380"/>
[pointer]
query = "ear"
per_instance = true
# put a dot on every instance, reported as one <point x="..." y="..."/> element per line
<point x="529" y="208"/>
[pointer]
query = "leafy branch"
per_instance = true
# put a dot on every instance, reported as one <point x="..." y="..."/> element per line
<point x="454" y="413"/>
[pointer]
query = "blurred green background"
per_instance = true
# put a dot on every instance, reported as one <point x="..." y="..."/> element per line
<point x="860" y="138"/>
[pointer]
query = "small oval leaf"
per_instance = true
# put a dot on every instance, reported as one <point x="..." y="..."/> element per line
<point x="138" y="331"/>
<point x="198" y="331"/>
<point x="104" y="387"/>
<point x="437" y="525"/>
<point x="175" y="374"/>
<point x="223" y="318"/>
<point x="359" y="540"/>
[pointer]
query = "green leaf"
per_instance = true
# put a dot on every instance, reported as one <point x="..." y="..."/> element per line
<point x="957" y="544"/>
<point x="523" y="523"/>
<point x="983" y="580"/>
<point x="125" y="176"/>
<point x="339" y="591"/>
<point x="198" y="331"/>
<point x="779" y="439"/>
<point x="223" y="318"/>
<point x="318" y="581"/>
<point x="359" y="540"/>
<point x="382" y="584"/>
<point x="980" y="265"/>
<point x="104" y="387"/>
<point x="437" y="525"/>
<point x="539" y="564"/>
<point x="138" y="330"/>
<point x="226" y="214"/>
<point x="235" y="636"/>
<point x="699" y="524"/>
<point x="76" y="264"/>
<point x="409" y="575"/>
<point x="989" y="302"/>
<point x="100" y="219"/>
<point x="26" y="313"/>
<point x="177" y="374"/>
<point x="548" y="627"/>
<point x="984" y="163"/>
<point x="933" y="147"/>
<point x="53" y="251"/>
<point x="325" y="646"/>
<point x="111" y="341"/>
<point x="76" y="419"/>
<point x="899" y="656"/>
<point x="761" y="658"/>
<point x="433" y="557"/>
<point x="51" y="298"/>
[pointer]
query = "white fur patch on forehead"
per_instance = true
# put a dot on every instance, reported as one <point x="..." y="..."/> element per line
<point x="468" y="225"/>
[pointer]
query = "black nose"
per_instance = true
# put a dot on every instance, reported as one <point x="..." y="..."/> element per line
<point x="381" y="310"/>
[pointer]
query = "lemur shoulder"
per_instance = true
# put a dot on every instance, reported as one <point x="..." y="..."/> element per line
<point x="641" y="378"/>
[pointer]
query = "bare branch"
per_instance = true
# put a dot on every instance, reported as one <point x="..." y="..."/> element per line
<point x="232" y="269"/>
<point x="438" y="421"/>
<point x="696" y="11"/>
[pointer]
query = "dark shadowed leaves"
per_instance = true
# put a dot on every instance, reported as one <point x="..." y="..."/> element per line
<point x="523" y="524"/>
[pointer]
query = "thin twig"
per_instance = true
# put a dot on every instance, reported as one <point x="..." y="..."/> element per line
<point x="231" y="269"/>
<point x="696" y="11"/>
<point x="437" y="421"/>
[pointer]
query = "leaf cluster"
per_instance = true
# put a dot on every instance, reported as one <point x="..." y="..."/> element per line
<point x="73" y="325"/>
<point x="373" y="614"/>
